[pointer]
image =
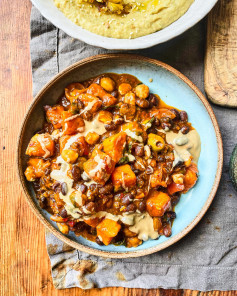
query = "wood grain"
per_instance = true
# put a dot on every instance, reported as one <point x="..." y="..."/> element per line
<point x="221" y="54"/>
<point x="25" y="268"/>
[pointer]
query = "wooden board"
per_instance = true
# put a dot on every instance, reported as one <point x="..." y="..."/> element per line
<point x="221" y="54"/>
<point x="25" y="267"/>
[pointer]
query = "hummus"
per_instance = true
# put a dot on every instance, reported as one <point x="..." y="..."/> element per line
<point x="141" y="17"/>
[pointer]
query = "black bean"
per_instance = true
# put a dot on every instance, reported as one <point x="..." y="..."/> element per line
<point x="165" y="120"/>
<point x="48" y="128"/>
<point x="167" y="230"/>
<point x="139" y="150"/>
<point x="118" y="120"/>
<point x="94" y="188"/>
<point x="171" y="215"/>
<point x="64" y="188"/>
<point x="76" y="173"/>
<point x="156" y="122"/>
<point x="153" y="100"/>
<point x="176" y="113"/>
<point x="65" y="102"/>
<point x="131" y="208"/>
<point x="98" y="241"/>
<point x="152" y="130"/>
<point x="80" y="104"/>
<point x="57" y="187"/>
<point x="63" y="213"/>
<point x="87" y="116"/>
<point x="83" y="188"/>
<point x="43" y="202"/>
<point x="106" y="189"/>
<point x="175" y="199"/>
<point x="110" y="127"/>
<point x="114" y="93"/>
<point x="109" y="203"/>
<point x="185" y="129"/>
<point x="183" y="116"/>
<point x="79" y="226"/>
<point x="127" y="199"/>
<point x="143" y="103"/>
<point x="166" y="126"/>
<point x="142" y="206"/>
<point x="90" y="206"/>
<point x="160" y="158"/>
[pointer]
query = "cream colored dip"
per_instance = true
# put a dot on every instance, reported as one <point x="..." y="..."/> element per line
<point x="140" y="223"/>
<point x="185" y="145"/>
<point x="144" y="17"/>
<point x="61" y="176"/>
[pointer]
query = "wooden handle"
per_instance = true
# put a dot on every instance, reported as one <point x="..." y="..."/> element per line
<point x="220" y="74"/>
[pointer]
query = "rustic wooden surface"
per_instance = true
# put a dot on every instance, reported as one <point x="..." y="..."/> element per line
<point x="25" y="268"/>
<point x="221" y="56"/>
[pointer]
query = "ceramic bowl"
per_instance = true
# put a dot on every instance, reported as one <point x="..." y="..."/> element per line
<point x="196" y="12"/>
<point x="176" y="90"/>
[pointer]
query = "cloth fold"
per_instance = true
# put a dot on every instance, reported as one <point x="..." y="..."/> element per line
<point x="206" y="259"/>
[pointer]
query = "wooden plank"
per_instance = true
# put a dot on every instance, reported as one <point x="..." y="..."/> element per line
<point x="25" y="267"/>
<point x="221" y="54"/>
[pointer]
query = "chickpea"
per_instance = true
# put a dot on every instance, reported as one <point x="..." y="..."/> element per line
<point x="105" y="116"/>
<point x="92" y="138"/>
<point x="69" y="155"/>
<point x="126" y="109"/>
<point x="107" y="83"/>
<point x="130" y="98"/>
<point x="142" y="91"/>
<point x="124" y="88"/>
<point x="133" y="242"/>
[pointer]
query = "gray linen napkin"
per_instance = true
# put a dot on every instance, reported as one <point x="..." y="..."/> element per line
<point x="206" y="259"/>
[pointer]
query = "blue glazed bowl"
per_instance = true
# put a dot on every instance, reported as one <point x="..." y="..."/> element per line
<point x="176" y="90"/>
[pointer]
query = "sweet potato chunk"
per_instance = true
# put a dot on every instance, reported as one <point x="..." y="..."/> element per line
<point x="74" y="90"/>
<point x="135" y="131"/>
<point x="132" y="126"/>
<point x="190" y="178"/>
<point x="156" y="178"/>
<point x="92" y="103"/>
<point x="36" y="168"/>
<point x="123" y="176"/>
<point x="107" y="230"/>
<point x="157" y="203"/>
<point x="174" y="187"/>
<point x="72" y="124"/>
<point x="114" y="146"/>
<point x="54" y="115"/>
<point x="162" y="112"/>
<point x="133" y="242"/>
<point x="93" y="222"/>
<point x="41" y="145"/>
<point x="99" y="167"/>
<point x="98" y="91"/>
<point x="79" y="144"/>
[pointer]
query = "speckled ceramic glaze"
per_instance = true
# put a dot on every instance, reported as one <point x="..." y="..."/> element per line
<point x="176" y="90"/>
<point x="196" y="12"/>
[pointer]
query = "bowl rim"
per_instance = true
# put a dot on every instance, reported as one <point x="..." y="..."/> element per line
<point x="150" y="250"/>
<point x="142" y="42"/>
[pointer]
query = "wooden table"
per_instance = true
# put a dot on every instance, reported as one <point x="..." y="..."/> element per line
<point x="25" y="268"/>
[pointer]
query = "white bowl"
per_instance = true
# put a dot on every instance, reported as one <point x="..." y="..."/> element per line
<point x="196" y="12"/>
